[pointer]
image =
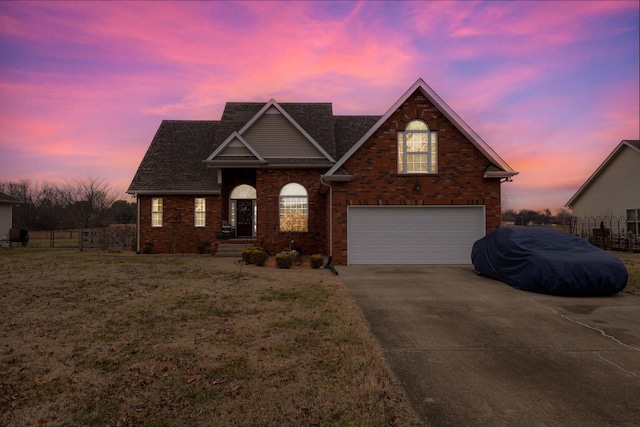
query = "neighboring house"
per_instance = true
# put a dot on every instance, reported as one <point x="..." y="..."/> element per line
<point x="413" y="186"/>
<point x="6" y="216"/>
<point x="612" y="191"/>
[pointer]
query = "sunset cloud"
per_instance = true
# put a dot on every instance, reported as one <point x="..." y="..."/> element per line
<point x="551" y="86"/>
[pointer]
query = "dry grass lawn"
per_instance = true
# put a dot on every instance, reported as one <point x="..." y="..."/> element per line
<point x="99" y="339"/>
<point x="632" y="262"/>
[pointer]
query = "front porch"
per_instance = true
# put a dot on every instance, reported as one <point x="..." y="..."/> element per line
<point x="233" y="247"/>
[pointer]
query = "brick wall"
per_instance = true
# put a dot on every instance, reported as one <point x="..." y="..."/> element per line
<point x="459" y="179"/>
<point x="178" y="233"/>
<point x="269" y="182"/>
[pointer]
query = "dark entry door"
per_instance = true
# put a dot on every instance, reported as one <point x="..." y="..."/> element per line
<point x="244" y="226"/>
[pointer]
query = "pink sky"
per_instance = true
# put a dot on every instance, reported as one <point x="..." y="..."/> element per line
<point x="551" y="86"/>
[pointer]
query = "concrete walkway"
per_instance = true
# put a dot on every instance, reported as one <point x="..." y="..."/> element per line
<point x="472" y="351"/>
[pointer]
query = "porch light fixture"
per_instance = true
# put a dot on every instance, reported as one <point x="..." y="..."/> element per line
<point x="417" y="186"/>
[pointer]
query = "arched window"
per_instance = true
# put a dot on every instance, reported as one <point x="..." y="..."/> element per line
<point x="417" y="149"/>
<point x="243" y="191"/>
<point x="294" y="208"/>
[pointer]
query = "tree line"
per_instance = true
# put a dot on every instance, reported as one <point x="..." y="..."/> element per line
<point x="90" y="202"/>
<point x="531" y="217"/>
<point x="81" y="203"/>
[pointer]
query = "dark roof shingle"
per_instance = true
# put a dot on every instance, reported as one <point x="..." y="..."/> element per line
<point x="5" y="198"/>
<point x="174" y="161"/>
<point x="349" y="130"/>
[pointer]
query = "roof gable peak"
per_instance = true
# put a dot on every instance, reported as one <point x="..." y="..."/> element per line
<point x="268" y="109"/>
<point x="634" y="145"/>
<point x="448" y="112"/>
<point x="234" y="137"/>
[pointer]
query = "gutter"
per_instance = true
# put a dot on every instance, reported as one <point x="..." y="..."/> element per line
<point x="491" y="173"/>
<point x="161" y="193"/>
<point x="137" y="224"/>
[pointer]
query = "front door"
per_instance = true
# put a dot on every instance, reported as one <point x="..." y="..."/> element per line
<point x="244" y="226"/>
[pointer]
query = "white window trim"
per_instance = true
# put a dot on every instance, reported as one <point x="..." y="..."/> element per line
<point x="403" y="153"/>
<point x="633" y="220"/>
<point x="157" y="216"/>
<point x="200" y="214"/>
<point x="305" y="208"/>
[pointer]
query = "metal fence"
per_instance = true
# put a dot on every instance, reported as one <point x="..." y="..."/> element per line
<point x="114" y="238"/>
<point x="606" y="232"/>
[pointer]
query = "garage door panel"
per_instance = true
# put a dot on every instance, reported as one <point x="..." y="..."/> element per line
<point x="413" y="235"/>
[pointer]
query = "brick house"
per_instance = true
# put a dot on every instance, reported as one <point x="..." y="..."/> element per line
<point x="414" y="186"/>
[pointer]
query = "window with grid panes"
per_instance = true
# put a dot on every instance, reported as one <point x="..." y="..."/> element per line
<point x="294" y="208"/>
<point x="417" y="149"/>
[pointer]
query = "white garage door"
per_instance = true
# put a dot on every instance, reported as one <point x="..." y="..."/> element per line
<point x="413" y="234"/>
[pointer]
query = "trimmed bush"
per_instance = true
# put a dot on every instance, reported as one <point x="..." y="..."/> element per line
<point x="316" y="260"/>
<point x="284" y="260"/>
<point x="246" y="255"/>
<point x="259" y="258"/>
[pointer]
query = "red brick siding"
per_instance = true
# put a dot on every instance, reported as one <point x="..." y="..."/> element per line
<point x="459" y="179"/>
<point x="269" y="182"/>
<point x="178" y="233"/>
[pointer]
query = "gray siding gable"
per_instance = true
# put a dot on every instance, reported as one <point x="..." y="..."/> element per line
<point x="315" y="122"/>
<point x="274" y="136"/>
<point x="614" y="187"/>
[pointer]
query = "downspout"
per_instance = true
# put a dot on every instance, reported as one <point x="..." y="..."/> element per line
<point x="137" y="224"/>
<point x="330" y="215"/>
<point x="328" y="265"/>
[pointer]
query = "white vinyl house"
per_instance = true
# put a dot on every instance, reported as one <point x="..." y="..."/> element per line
<point x="613" y="190"/>
<point x="6" y="216"/>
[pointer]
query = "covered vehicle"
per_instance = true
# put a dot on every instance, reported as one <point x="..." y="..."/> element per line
<point x="548" y="261"/>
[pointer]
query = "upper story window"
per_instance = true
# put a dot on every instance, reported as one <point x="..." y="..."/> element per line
<point x="294" y="208"/>
<point x="199" y="212"/>
<point x="156" y="212"/>
<point x="417" y="149"/>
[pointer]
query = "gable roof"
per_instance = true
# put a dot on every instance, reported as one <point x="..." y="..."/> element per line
<point x="503" y="171"/>
<point x="624" y="144"/>
<point x="313" y="121"/>
<point x="185" y="156"/>
<point x="235" y="149"/>
<point x="5" y="198"/>
<point x="173" y="163"/>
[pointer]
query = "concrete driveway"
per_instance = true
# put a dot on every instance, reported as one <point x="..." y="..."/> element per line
<point x="472" y="351"/>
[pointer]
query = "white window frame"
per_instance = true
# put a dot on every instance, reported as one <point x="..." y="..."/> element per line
<point x="633" y="221"/>
<point x="156" y="211"/>
<point x="200" y="212"/>
<point x="293" y="199"/>
<point x="417" y="129"/>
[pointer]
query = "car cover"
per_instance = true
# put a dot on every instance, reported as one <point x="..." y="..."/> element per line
<point x="548" y="261"/>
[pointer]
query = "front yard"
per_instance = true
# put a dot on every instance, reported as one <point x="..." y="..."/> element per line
<point x="99" y="339"/>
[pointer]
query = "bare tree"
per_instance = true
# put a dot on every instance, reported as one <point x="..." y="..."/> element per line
<point x="87" y="201"/>
<point x="41" y="207"/>
<point x="563" y="216"/>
